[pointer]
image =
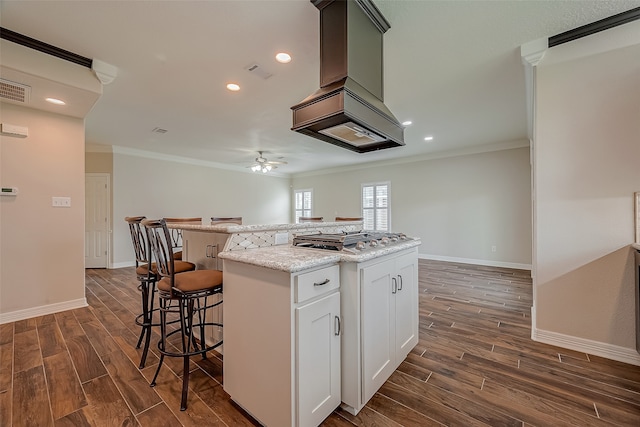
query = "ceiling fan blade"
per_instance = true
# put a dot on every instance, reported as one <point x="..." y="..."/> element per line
<point x="275" y="162"/>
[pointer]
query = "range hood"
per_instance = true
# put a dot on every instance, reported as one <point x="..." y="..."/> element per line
<point x="348" y="109"/>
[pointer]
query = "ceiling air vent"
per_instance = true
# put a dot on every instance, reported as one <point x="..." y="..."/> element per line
<point x="14" y="91"/>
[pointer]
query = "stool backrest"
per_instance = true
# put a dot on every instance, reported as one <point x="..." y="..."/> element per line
<point x="139" y="239"/>
<point x="215" y="220"/>
<point x="310" y="218"/>
<point x="176" y="233"/>
<point x="348" y="218"/>
<point x="160" y="243"/>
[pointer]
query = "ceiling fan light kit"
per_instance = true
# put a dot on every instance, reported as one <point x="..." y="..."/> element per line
<point x="263" y="165"/>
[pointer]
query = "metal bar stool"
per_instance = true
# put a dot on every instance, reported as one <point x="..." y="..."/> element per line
<point x="147" y="278"/>
<point x="185" y="294"/>
<point x="176" y="233"/>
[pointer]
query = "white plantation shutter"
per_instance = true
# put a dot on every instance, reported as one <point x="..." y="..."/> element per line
<point x="303" y="206"/>
<point x="375" y="206"/>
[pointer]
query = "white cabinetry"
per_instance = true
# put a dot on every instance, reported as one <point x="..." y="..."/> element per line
<point x="380" y="312"/>
<point x="202" y="247"/>
<point x="318" y="359"/>
<point x="282" y="342"/>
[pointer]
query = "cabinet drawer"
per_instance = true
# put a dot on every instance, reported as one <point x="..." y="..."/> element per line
<point x="318" y="282"/>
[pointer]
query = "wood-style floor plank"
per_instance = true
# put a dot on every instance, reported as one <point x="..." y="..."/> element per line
<point x="26" y="350"/>
<point x="85" y="359"/>
<point x="158" y="416"/>
<point x="475" y="364"/>
<point x="130" y="382"/>
<point x="65" y="392"/>
<point x="30" y="401"/>
<point x="107" y="404"/>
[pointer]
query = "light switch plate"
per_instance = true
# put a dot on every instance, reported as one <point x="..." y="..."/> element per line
<point x="61" y="202"/>
<point x="282" y="238"/>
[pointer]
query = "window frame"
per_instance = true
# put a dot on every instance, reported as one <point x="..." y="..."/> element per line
<point x="302" y="210"/>
<point x="388" y="208"/>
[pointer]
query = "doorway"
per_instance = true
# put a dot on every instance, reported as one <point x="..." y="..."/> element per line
<point x="97" y="220"/>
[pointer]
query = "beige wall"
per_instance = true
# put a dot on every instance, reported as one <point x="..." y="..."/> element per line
<point x="41" y="247"/>
<point x="460" y="206"/>
<point x="161" y="188"/>
<point x="587" y="147"/>
<point x="98" y="162"/>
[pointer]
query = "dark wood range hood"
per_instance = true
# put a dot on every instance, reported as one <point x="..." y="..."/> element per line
<point x="348" y="109"/>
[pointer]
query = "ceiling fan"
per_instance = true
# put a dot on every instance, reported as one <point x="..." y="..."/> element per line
<point x="263" y="165"/>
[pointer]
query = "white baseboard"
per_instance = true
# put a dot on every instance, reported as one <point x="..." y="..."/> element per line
<point x="42" y="310"/>
<point x="123" y="264"/>
<point x="608" y="351"/>
<point x="477" y="261"/>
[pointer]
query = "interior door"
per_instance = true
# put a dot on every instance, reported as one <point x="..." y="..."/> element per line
<point x="96" y="240"/>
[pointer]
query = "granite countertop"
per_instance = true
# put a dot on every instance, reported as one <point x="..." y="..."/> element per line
<point x="236" y="228"/>
<point x="293" y="259"/>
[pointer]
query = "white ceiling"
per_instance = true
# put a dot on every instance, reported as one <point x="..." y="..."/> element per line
<point x="452" y="67"/>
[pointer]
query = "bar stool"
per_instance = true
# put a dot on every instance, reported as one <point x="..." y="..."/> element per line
<point x="176" y="234"/>
<point x="185" y="294"/>
<point x="147" y="278"/>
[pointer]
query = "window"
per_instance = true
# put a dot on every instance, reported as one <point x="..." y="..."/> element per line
<point x="302" y="203"/>
<point x="375" y="206"/>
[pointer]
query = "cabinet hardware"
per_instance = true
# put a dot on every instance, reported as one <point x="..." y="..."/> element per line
<point x="210" y="251"/>
<point x="339" y="327"/>
<point x="324" y="282"/>
<point x="394" y="285"/>
<point x="400" y="281"/>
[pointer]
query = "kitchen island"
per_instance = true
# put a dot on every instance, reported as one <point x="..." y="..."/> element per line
<point x="307" y="330"/>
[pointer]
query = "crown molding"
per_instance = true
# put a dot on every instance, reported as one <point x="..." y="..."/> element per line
<point x="189" y="161"/>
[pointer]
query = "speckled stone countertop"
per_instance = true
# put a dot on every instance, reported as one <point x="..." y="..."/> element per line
<point x="293" y="259"/>
<point x="236" y="228"/>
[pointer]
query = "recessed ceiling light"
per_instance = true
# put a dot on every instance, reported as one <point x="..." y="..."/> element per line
<point x="407" y="123"/>
<point x="55" y="101"/>
<point x="233" y="87"/>
<point x="283" y="57"/>
<point x="428" y="138"/>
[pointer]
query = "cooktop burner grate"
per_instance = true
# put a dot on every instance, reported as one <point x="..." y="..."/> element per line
<point x="338" y="242"/>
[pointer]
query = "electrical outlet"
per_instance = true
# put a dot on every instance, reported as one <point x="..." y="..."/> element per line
<point x="282" y="238"/>
<point x="61" y="202"/>
<point x="493" y="248"/>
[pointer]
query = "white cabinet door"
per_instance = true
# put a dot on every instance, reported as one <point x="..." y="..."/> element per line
<point x="318" y="359"/>
<point x="406" y="320"/>
<point x="201" y="248"/>
<point x="378" y="334"/>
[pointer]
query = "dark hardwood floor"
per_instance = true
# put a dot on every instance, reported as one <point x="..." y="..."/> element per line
<point x="475" y="365"/>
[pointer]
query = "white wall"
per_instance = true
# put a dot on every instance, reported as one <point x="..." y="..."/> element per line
<point x="460" y="206"/>
<point x="587" y="148"/>
<point x="42" y="248"/>
<point x="159" y="188"/>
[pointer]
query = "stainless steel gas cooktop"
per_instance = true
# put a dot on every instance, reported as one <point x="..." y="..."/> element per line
<point x="358" y="241"/>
